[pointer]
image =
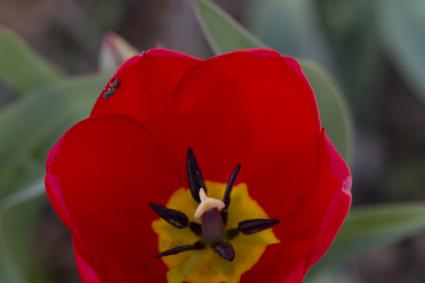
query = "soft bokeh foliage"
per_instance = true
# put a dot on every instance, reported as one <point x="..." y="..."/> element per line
<point x="366" y="56"/>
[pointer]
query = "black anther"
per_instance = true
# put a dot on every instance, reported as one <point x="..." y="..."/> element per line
<point x="196" y="246"/>
<point x="172" y="216"/>
<point x="224" y="215"/>
<point x="230" y="183"/>
<point x="256" y="225"/>
<point x="194" y="176"/>
<point x="225" y="250"/>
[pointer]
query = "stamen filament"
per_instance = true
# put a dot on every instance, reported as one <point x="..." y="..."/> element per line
<point x="196" y="228"/>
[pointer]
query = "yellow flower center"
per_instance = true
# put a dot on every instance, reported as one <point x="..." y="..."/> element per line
<point x="206" y="266"/>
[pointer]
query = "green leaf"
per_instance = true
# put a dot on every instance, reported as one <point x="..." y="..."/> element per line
<point x="402" y="26"/>
<point x="334" y="113"/>
<point x="351" y="27"/>
<point x="22" y="69"/>
<point x="18" y="218"/>
<point x="29" y="193"/>
<point x="330" y="276"/>
<point x="293" y="27"/>
<point x="114" y="51"/>
<point x="374" y="227"/>
<point x="224" y="34"/>
<point x="30" y="126"/>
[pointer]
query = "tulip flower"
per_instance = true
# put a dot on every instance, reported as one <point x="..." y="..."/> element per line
<point x="199" y="171"/>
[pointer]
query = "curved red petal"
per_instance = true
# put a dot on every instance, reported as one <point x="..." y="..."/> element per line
<point x="87" y="272"/>
<point x="250" y="107"/>
<point x="146" y="82"/>
<point x="107" y="169"/>
<point x="306" y="237"/>
<point x="53" y="190"/>
<point x="336" y="175"/>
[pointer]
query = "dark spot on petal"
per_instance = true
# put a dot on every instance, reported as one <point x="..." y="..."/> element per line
<point x="111" y="88"/>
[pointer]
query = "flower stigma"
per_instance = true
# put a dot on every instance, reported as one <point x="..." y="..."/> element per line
<point x="226" y="236"/>
<point x="207" y="203"/>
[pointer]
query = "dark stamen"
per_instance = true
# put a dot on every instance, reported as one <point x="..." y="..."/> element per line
<point x="256" y="225"/>
<point x="225" y="250"/>
<point x="196" y="246"/>
<point x="211" y="230"/>
<point x="196" y="228"/>
<point x="229" y="187"/>
<point x="232" y="233"/>
<point x="194" y="176"/>
<point x="174" y="217"/>
<point x="111" y="88"/>
<point x="224" y="215"/>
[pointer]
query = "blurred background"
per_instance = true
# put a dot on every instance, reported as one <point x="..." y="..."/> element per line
<point x="374" y="50"/>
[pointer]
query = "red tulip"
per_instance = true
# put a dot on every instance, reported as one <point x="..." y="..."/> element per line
<point x="236" y="138"/>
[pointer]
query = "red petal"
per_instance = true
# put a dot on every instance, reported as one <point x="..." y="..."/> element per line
<point x="87" y="272"/>
<point x="306" y="237"/>
<point x="146" y="84"/>
<point x="254" y="107"/>
<point x="250" y="107"/>
<point x="335" y="175"/>
<point x="109" y="169"/>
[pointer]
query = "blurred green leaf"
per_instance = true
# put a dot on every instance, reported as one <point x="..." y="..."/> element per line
<point x="351" y="28"/>
<point x="114" y="51"/>
<point x="330" y="275"/>
<point x="29" y="193"/>
<point x="402" y="26"/>
<point x="224" y="34"/>
<point x="334" y="113"/>
<point x="405" y="181"/>
<point x="375" y="226"/>
<point x="18" y="219"/>
<point x="22" y="69"/>
<point x="293" y="27"/>
<point x="30" y="126"/>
